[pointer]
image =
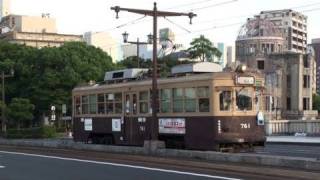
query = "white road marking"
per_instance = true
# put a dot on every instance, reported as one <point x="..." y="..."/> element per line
<point x="1" y="167"/>
<point x="123" y="165"/>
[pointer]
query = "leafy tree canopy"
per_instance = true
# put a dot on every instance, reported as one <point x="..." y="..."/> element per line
<point x="203" y="49"/>
<point x="20" y="112"/>
<point x="47" y="76"/>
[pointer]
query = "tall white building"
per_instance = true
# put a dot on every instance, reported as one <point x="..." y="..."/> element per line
<point x="4" y="8"/>
<point x="293" y="26"/>
<point x="104" y="41"/>
<point x="231" y="54"/>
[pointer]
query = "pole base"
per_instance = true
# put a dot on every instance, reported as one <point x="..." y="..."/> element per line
<point x="151" y="146"/>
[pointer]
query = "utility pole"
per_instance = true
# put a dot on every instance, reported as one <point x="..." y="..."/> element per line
<point x="155" y="14"/>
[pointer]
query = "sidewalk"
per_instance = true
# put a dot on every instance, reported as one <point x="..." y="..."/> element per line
<point x="293" y="139"/>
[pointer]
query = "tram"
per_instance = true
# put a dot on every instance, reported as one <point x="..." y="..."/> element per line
<point x="198" y="109"/>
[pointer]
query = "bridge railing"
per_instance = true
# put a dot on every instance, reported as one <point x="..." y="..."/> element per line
<point x="289" y="127"/>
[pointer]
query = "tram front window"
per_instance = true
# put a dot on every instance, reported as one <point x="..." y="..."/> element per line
<point x="244" y="99"/>
<point x="225" y="100"/>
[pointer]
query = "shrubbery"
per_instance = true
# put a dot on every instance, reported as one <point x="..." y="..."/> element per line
<point x="32" y="133"/>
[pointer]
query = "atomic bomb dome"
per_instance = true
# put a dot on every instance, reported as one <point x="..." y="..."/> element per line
<point x="258" y="37"/>
<point x="258" y="27"/>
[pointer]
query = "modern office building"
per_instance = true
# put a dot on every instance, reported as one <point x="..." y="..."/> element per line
<point x="30" y="24"/>
<point x="315" y="44"/>
<point x="36" y="31"/>
<point x="4" y="8"/>
<point x="231" y="53"/>
<point x="221" y="59"/>
<point x="104" y="41"/>
<point x="293" y="26"/>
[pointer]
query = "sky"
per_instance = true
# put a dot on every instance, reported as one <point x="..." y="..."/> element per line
<point x="218" y="20"/>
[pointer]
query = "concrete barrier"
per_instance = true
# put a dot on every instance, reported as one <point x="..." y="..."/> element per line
<point x="268" y="160"/>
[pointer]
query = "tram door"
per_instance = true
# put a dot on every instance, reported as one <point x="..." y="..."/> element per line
<point x="131" y="108"/>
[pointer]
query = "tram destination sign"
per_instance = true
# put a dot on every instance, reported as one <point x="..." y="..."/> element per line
<point x="245" y="80"/>
<point x="172" y="125"/>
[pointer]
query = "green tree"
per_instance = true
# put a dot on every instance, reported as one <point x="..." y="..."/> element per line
<point x="47" y="76"/>
<point x="20" y="112"/>
<point x="203" y="49"/>
<point x="316" y="102"/>
<point x="132" y="62"/>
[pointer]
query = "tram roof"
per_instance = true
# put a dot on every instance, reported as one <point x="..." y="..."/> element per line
<point x="176" y="79"/>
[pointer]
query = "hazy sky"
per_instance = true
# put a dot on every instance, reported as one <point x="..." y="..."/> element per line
<point x="218" y="23"/>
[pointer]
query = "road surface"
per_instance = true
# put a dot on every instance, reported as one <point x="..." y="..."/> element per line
<point x="26" y="163"/>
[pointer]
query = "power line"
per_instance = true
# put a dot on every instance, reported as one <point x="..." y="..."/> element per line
<point x="131" y="22"/>
<point x="181" y="27"/>
<point x="188" y="4"/>
<point x="213" y="5"/>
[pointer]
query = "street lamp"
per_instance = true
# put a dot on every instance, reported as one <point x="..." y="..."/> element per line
<point x="3" y="117"/>
<point x="125" y="36"/>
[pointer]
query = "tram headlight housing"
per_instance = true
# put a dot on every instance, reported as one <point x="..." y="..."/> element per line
<point x="241" y="68"/>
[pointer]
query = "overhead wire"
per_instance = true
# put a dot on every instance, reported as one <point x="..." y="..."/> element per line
<point x="208" y="21"/>
<point x="181" y="27"/>
<point x="188" y="4"/>
<point x="213" y="5"/>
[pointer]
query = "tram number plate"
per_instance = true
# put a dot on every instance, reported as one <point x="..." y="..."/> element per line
<point x="245" y="125"/>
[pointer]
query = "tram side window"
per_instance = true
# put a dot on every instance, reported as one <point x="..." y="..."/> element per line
<point x="177" y="100"/>
<point x="85" y="104"/>
<point x="225" y="100"/>
<point x="190" y="102"/>
<point x="109" y="103"/>
<point x="165" y="100"/>
<point x="134" y="103"/>
<point x="203" y="99"/>
<point x="244" y="100"/>
<point x="101" y="104"/>
<point x="143" y="102"/>
<point x="77" y="101"/>
<point x="93" y="104"/>
<point x="118" y="102"/>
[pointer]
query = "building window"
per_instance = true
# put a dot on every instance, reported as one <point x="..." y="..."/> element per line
<point x="244" y="100"/>
<point x="305" y="61"/>
<point x="306" y="81"/>
<point x="143" y="102"/>
<point x="306" y="103"/>
<point x="288" y="103"/>
<point x="288" y="81"/>
<point x="260" y="65"/>
<point x="190" y="102"/>
<point x="203" y="99"/>
<point x="225" y="100"/>
<point x="165" y="95"/>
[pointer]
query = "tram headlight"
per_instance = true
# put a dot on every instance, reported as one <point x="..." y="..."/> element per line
<point x="241" y="68"/>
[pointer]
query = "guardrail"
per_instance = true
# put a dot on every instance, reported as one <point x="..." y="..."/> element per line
<point x="280" y="127"/>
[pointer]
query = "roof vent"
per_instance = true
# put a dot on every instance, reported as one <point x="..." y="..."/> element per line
<point x="133" y="73"/>
<point x="201" y="67"/>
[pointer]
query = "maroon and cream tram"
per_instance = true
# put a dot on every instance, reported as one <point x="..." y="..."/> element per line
<point x="197" y="109"/>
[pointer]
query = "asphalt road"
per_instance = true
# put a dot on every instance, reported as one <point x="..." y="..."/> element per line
<point x="22" y="166"/>
<point x="23" y="163"/>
